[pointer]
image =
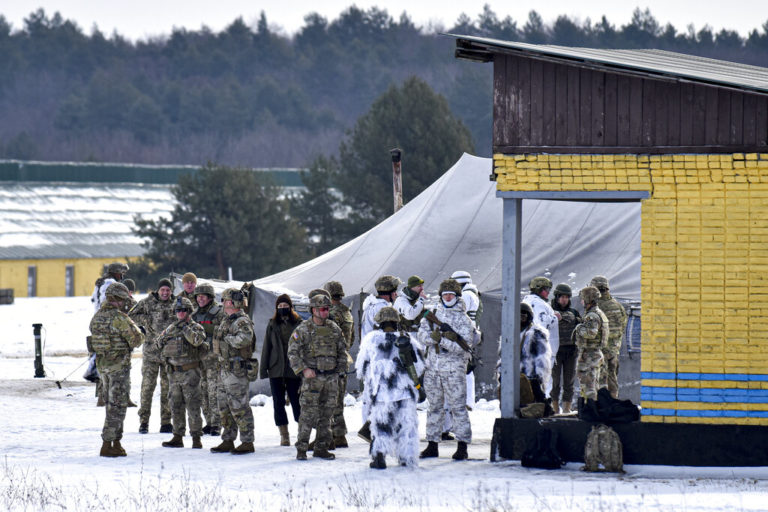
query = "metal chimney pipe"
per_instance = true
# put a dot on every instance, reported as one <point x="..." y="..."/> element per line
<point x="397" y="177"/>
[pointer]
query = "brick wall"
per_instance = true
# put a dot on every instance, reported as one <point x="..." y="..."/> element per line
<point x="704" y="273"/>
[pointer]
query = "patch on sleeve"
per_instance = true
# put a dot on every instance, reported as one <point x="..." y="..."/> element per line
<point x="295" y="335"/>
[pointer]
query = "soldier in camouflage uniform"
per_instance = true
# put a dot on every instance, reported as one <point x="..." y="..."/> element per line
<point x="113" y="336"/>
<point x="410" y="304"/>
<point x="154" y="313"/>
<point x="188" y="283"/>
<point x="567" y="353"/>
<point x="179" y="346"/>
<point x="233" y="344"/>
<point x="617" y="320"/>
<point x="446" y="369"/>
<point x="341" y="316"/>
<point x="591" y="337"/>
<point x="209" y="314"/>
<point x="317" y="352"/>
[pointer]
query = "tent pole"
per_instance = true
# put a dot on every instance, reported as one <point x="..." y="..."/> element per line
<point x="510" y="307"/>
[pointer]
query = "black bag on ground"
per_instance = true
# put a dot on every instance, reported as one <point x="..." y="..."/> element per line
<point x="541" y="452"/>
<point x="608" y="409"/>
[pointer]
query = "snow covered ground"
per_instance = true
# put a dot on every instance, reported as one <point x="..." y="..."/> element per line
<point x="50" y="439"/>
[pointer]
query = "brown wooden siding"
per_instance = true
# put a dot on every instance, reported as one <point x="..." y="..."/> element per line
<point x="568" y="108"/>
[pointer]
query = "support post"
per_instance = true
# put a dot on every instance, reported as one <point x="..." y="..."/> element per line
<point x="397" y="177"/>
<point x="510" y="307"/>
<point x="39" y="370"/>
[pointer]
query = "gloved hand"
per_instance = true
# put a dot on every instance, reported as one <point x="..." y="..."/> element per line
<point x="452" y="336"/>
<point x="435" y="335"/>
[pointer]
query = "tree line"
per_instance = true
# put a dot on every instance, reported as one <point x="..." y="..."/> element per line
<point x="252" y="96"/>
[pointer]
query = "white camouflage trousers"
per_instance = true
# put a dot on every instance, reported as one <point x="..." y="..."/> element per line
<point x="447" y="389"/>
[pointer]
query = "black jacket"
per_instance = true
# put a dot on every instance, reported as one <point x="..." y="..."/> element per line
<point x="274" y="353"/>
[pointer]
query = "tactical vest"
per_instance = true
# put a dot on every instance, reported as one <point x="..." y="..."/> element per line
<point x="176" y="346"/>
<point x="222" y="348"/>
<point x="104" y="339"/>
<point x="566" y="325"/>
<point x="602" y="336"/>
<point x="205" y="319"/>
<point x="322" y="347"/>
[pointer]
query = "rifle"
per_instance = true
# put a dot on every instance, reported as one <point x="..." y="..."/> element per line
<point x="444" y="327"/>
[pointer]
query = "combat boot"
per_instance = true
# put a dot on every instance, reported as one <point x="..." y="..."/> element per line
<point x="365" y="432"/>
<point x="224" y="447"/>
<point x="143" y="428"/>
<point x="196" y="443"/>
<point x="175" y="442"/>
<point x="323" y="454"/>
<point x="285" y="439"/>
<point x="216" y="431"/>
<point x="207" y="429"/>
<point x="378" y="462"/>
<point x="429" y="451"/>
<point x="166" y="428"/>
<point x="556" y="407"/>
<point x="461" y="451"/>
<point x="107" y="450"/>
<point x="447" y="436"/>
<point x="566" y="407"/>
<point x="301" y="454"/>
<point x="340" y="442"/>
<point x="243" y="449"/>
<point x="117" y="447"/>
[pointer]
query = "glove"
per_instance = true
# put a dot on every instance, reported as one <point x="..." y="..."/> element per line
<point x="435" y="335"/>
<point x="452" y="336"/>
<point x="444" y="327"/>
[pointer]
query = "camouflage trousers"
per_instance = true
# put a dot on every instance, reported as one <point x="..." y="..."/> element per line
<point x="339" y="426"/>
<point x="447" y="388"/>
<point x="588" y="371"/>
<point x="185" y="397"/>
<point x="210" y="390"/>
<point x="609" y="373"/>
<point x="317" y="399"/>
<point x="150" y="369"/>
<point x="116" y="385"/>
<point x="236" y="413"/>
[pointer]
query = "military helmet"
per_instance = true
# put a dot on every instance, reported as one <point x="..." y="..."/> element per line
<point x="526" y="308"/>
<point x="589" y="294"/>
<point x="320" y="300"/>
<point x="117" y="291"/>
<point x="450" y="285"/>
<point x="599" y="282"/>
<point x="318" y="291"/>
<point x="236" y="296"/>
<point x="334" y="288"/>
<point x="539" y="283"/>
<point x="205" y="289"/>
<point x="386" y="284"/>
<point x="563" y="289"/>
<point x="462" y="277"/>
<point x="182" y="304"/>
<point x="117" y="268"/>
<point x="387" y="314"/>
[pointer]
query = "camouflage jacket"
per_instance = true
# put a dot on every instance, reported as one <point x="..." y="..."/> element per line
<point x="209" y="317"/>
<point x="446" y="354"/>
<point x="128" y="305"/>
<point x="180" y="343"/>
<point x="569" y="319"/>
<point x="341" y="316"/>
<point x="116" y="335"/>
<point x="617" y="320"/>
<point x="190" y="296"/>
<point x="154" y="315"/>
<point x="593" y="332"/>
<point x="233" y="338"/>
<point x="319" y="347"/>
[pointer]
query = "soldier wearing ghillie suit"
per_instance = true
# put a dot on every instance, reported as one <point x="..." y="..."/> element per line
<point x="209" y="314"/>
<point x="591" y="338"/>
<point x="113" y="336"/>
<point x="341" y="316"/>
<point x="446" y="368"/>
<point x="233" y="343"/>
<point x="617" y="320"/>
<point x="317" y="352"/>
<point x="154" y="313"/>
<point x="180" y="345"/>
<point x="390" y="367"/>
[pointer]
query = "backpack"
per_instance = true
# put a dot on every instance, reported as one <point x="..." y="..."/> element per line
<point x="604" y="448"/>
<point x="541" y="452"/>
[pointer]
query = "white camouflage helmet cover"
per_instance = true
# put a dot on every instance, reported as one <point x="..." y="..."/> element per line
<point x="462" y="277"/>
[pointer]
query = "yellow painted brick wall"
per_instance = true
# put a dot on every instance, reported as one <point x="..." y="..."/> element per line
<point x="51" y="275"/>
<point x="704" y="270"/>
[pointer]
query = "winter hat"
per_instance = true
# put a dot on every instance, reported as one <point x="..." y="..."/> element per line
<point x="284" y="298"/>
<point x="414" y="281"/>
<point x="189" y="277"/>
<point x="164" y="282"/>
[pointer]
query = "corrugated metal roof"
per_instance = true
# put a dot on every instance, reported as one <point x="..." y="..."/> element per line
<point x="659" y="62"/>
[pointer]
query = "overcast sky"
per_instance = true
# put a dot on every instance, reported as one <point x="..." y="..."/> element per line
<point x="138" y="19"/>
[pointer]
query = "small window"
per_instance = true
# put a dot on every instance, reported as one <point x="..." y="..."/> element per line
<point x="69" y="281"/>
<point x="32" y="281"/>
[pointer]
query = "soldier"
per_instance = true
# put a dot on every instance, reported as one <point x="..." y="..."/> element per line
<point x="128" y="304"/>
<point x="543" y="314"/>
<point x="446" y="368"/>
<point x="154" y="313"/>
<point x="410" y="304"/>
<point x="341" y="316"/>
<point x="188" y="283"/>
<point x="113" y="336"/>
<point x="591" y="337"/>
<point x="209" y="314"/>
<point x="565" y="360"/>
<point x="617" y="321"/>
<point x="317" y="352"/>
<point x="179" y="346"/>
<point x="535" y="354"/>
<point x="114" y="273"/>
<point x="391" y="388"/>
<point x="234" y="343"/>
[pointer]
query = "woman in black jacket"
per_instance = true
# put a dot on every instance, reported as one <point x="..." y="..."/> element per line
<point x="274" y="364"/>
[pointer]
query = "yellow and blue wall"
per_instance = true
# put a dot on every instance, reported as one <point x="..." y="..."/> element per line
<point x="704" y="272"/>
